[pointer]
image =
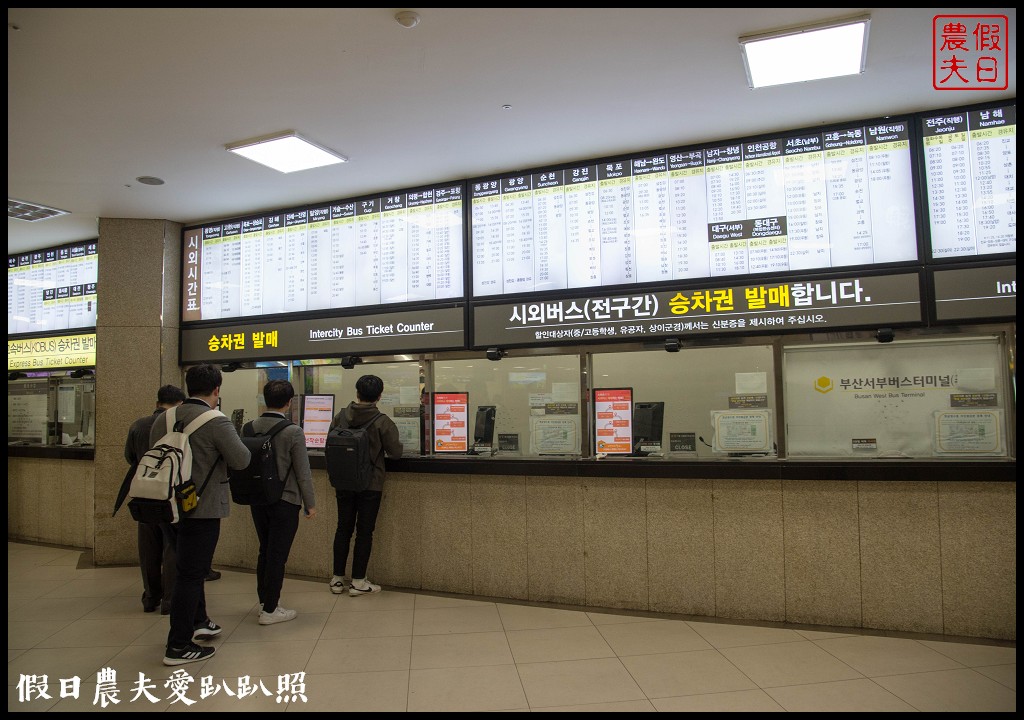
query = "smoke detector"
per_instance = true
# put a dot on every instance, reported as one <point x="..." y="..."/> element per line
<point x="407" y="18"/>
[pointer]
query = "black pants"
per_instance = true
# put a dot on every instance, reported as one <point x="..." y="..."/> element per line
<point x="356" y="511"/>
<point x="276" y="526"/>
<point x="197" y="541"/>
<point x="157" y="560"/>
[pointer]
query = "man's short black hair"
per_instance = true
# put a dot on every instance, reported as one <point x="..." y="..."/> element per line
<point x="203" y="379"/>
<point x="369" y="388"/>
<point x="277" y="393"/>
<point x="170" y="395"/>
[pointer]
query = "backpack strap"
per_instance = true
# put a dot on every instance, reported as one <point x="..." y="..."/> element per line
<point x="199" y="421"/>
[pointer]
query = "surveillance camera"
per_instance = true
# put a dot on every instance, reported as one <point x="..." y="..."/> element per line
<point x="671" y="344"/>
<point x="495" y="353"/>
<point x="885" y="335"/>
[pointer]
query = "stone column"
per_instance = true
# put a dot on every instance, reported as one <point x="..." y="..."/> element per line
<point x="136" y="352"/>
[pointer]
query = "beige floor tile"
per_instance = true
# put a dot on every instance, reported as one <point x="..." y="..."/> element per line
<point x="23" y="700"/>
<point x="654" y="637"/>
<point x="375" y="602"/>
<point x="600" y="618"/>
<point x="685" y="673"/>
<point x="460" y="650"/>
<point x="259" y="694"/>
<point x="368" y="624"/>
<point x="27" y="587"/>
<point x="819" y="635"/>
<point x="119" y="606"/>
<point x="1002" y="674"/>
<point x="424" y="602"/>
<point x="578" y="682"/>
<point x="628" y="706"/>
<point x="305" y="626"/>
<point x="553" y="644"/>
<point x="489" y="688"/>
<point x="438" y="621"/>
<point x="791" y="663"/>
<point x="103" y="632"/>
<point x="58" y="608"/>
<point x="736" y="701"/>
<point x="147" y="660"/>
<point x="842" y="696"/>
<point x="351" y="655"/>
<point x="259" y="658"/>
<point x="723" y="635"/>
<point x="129" y="699"/>
<point x="951" y="691"/>
<point x="872" y="656"/>
<point x="90" y="587"/>
<point x="974" y="655"/>
<point x="294" y="585"/>
<point x="24" y="635"/>
<point x="309" y="602"/>
<point x="525" y="617"/>
<point x="361" y="692"/>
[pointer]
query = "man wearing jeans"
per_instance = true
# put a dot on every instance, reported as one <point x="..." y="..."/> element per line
<point x="358" y="510"/>
<point x="215" y="447"/>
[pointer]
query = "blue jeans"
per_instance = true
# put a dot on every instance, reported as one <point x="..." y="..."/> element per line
<point x="356" y="511"/>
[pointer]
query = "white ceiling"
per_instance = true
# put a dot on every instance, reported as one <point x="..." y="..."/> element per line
<point x="99" y="96"/>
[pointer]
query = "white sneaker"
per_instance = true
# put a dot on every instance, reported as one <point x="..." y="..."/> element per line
<point x="362" y="587"/>
<point x="337" y="585"/>
<point x="279" y="615"/>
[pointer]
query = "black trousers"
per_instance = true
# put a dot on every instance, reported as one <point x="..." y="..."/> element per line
<point x="197" y="541"/>
<point x="157" y="560"/>
<point x="276" y="526"/>
<point x="356" y="511"/>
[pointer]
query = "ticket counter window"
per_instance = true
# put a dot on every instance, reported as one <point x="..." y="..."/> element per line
<point x="693" y="403"/>
<point x="52" y="409"/>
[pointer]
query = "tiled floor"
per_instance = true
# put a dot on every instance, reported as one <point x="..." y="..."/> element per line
<point x="405" y="651"/>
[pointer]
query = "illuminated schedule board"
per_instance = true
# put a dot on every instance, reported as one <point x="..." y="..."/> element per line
<point x="810" y="201"/>
<point x="52" y="289"/>
<point x="970" y="160"/>
<point x="399" y="248"/>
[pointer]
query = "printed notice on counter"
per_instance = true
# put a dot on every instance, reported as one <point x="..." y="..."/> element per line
<point x="975" y="432"/>
<point x="451" y="422"/>
<point x="613" y="421"/>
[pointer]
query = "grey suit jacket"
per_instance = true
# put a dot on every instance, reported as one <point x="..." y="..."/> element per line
<point x="292" y="460"/>
<point x="215" y="440"/>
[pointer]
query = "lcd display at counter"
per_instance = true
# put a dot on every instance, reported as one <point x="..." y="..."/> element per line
<point x="795" y="202"/>
<point x="52" y="289"/>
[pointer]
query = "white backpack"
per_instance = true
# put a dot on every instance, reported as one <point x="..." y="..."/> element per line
<point x="162" y="489"/>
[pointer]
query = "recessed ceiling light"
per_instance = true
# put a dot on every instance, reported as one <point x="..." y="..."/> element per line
<point x="810" y="52"/>
<point x="31" y="212"/>
<point x="286" y="152"/>
<point x="149" y="180"/>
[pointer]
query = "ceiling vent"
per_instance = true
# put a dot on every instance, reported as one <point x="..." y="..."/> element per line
<point x="31" y="212"/>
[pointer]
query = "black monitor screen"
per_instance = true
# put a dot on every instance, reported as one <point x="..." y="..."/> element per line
<point x="483" y="430"/>
<point x="648" y="423"/>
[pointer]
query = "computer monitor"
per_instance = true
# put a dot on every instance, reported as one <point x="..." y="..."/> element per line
<point x="648" y="426"/>
<point x="483" y="428"/>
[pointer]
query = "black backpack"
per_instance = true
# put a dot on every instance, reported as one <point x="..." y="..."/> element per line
<point x="347" y="453"/>
<point x="259" y="483"/>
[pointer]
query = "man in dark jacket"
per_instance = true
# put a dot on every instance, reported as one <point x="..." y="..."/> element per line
<point x="157" y="556"/>
<point x="215" y="447"/>
<point x="358" y="510"/>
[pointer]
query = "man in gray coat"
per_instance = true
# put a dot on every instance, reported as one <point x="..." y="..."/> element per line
<point x="215" y="447"/>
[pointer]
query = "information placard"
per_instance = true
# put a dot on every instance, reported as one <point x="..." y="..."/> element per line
<point x="451" y="416"/>
<point x="317" y="413"/>
<point x="613" y="421"/>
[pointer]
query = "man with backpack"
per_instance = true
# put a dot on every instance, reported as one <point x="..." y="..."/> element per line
<point x="276" y="523"/>
<point x="357" y="509"/>
<point x="215" y="447"/>
<point x="157" y="555"/>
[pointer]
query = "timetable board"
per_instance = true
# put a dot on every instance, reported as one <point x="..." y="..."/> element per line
<point x="52" y="289"/>
<point x="970" y="161"/>
<point x="805" y="201"/>
<point x="398" y="248"/>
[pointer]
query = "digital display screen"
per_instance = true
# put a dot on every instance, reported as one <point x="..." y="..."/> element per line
<point x="796" y="202"/>
<point x="399" y="248"/>
<point x="52" y="289"/>
<point x="970" y="160"/>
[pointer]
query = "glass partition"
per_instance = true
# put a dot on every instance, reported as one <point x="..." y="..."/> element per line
<point x="52" y="409"/>
<point x="699" y="402"/>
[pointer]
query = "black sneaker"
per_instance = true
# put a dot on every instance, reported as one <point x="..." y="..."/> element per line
<point x="189" y="654"/>
<point x="207" y="631"/>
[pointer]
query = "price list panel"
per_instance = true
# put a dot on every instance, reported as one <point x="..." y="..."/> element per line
<point x="793" y="203"/>
<point x="971" y="175"/>
<point x="400" y="248"/>
<point x="52" y="289"/>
